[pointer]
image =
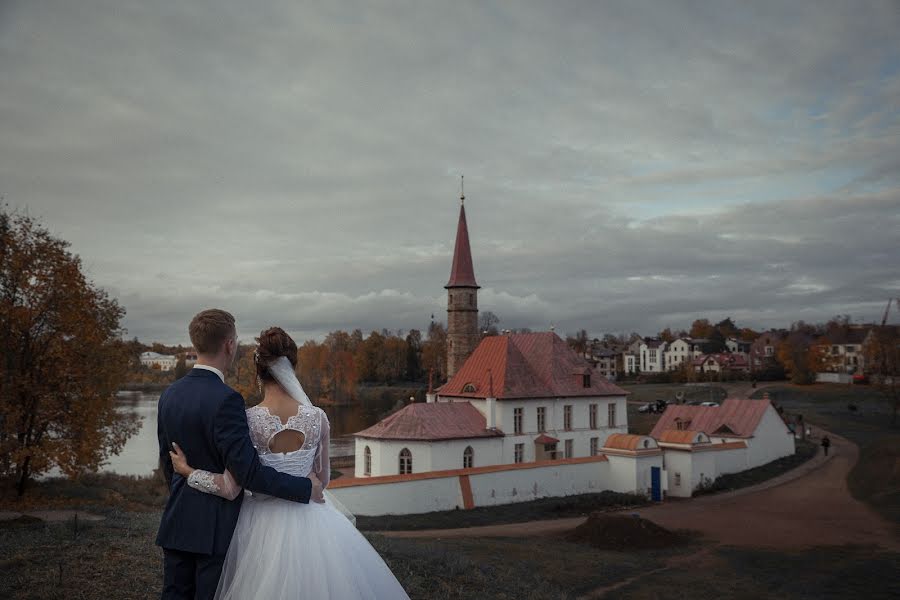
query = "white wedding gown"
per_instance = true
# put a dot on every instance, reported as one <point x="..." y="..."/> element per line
<point x="290" y="551"/>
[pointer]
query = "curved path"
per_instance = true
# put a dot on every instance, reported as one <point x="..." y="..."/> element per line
<point x="808" y="506"/>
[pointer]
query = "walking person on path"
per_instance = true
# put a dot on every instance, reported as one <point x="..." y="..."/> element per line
<point x="826" y="443"/>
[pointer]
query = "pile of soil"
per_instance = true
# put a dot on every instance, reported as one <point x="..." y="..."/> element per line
<point x="623" y="533"/>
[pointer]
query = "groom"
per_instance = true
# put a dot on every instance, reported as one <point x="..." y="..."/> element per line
<point x="207" y="419"/>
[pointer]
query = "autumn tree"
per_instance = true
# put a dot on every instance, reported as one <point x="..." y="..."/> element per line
<point x="882" y="359"/>
<point x="242" y="375"/>
<point x="667" y="336"/>
<point x="62" y="359"/>
<point x="727" y="328"/>
<point x="434" y="352"/>
<point x="414" y="354"/>
<point x="794" y="354"/>
<point x="701" y="328"/>
<point x="579" y="342"/>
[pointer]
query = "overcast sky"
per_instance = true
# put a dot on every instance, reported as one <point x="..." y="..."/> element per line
<point x="628" y="165"/>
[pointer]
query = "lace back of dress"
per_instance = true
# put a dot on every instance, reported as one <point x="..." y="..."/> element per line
<point x="264" y="426"/>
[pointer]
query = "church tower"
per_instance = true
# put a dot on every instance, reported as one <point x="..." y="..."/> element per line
<point x="462" y="299"/>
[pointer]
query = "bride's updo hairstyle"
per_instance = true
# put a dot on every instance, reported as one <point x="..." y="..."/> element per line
<point x="273" y="343"/>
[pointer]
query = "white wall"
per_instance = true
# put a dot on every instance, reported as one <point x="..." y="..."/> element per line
<point x="402" y="497"/>
<point x="522" y="485"/>
<point x="679" y="462"/>
<point x="580" y="434"/>
<point x="426" y="456"/>
<point x="631" y="474"/>
<point x="770" y="441"/>
<point x="488" y="489"/>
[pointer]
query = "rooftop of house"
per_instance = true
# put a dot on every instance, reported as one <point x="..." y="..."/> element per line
<point x="432" y="421"/>
<point x="527" y="365"/>
<point x="734" y="418"/>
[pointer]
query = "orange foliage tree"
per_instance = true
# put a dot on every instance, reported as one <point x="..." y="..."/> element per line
<point x="62" y="359"/>
<point x="882" y="359"/>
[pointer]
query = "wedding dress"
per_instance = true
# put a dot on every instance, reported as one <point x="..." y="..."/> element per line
<point x="286" y="550"/>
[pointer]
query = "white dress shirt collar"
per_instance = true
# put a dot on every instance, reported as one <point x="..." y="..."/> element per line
<point x="213" y="369"/>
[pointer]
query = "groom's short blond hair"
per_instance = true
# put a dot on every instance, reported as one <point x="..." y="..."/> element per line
<point x="210" y="329"/>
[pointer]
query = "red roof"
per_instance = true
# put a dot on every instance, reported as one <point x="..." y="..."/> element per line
<point x="741" y="417"/>
<point x="432" y="421"/>
<point x="527" y="365"/>
<point x="462" y="273"/>
<point x="545" y="439"/>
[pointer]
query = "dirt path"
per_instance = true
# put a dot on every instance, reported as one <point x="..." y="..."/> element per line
<point x="808" y="506"/>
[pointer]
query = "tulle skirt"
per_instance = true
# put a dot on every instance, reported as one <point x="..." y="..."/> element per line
<point x="288" y="551"/>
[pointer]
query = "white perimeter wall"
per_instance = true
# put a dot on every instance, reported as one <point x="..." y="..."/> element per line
<point x="496" y="487"/>
<point x="631" y="474"/>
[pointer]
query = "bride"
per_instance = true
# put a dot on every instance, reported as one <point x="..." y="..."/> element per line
<point x="280" y="549"/>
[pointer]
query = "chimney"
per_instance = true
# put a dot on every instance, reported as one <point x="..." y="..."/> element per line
<point x="491" y="403"/>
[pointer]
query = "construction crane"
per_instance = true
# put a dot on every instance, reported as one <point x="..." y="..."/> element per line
<point x="887" y="309"/>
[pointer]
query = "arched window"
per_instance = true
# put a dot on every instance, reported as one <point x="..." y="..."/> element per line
<point x="468" y="457"/>
<point x="469" y="388"/>
<point x="405" y="461"/>
<point x="367" y="461"/>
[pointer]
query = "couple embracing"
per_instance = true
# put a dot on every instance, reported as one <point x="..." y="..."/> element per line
<point x="247" y="514"/>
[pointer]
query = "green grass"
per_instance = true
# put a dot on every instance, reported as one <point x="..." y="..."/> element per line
<point x="805" y="450"/>
<point x="545" y="508"/>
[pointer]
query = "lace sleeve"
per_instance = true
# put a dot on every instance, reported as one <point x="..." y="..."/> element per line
<point x="322" y="465"/>
<point x="218" y="484"/>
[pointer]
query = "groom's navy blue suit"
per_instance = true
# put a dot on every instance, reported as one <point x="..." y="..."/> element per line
<point x="207" y="419"/>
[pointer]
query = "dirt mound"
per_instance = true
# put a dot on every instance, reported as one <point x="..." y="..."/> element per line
<point x="623" y="532"/>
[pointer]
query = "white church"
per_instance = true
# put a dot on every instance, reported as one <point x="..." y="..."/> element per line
<point x="522" y="416"/>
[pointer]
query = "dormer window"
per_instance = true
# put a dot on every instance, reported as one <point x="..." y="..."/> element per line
<point x="469" y="388"/>
<point x="586" y="380"/>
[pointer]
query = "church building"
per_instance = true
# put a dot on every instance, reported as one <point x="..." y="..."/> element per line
<point x="509" y="399"/>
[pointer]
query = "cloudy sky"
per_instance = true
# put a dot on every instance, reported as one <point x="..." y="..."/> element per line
<point x="628" y="165"/>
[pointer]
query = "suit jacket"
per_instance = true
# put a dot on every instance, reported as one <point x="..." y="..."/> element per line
<point x="207" y="419"/>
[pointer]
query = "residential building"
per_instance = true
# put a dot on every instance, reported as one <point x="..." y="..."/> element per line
<point x="162" y="362"/>
<point x="652" y="356"/>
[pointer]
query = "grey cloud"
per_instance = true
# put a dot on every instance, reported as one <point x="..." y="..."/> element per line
<point x="299" y="163"/>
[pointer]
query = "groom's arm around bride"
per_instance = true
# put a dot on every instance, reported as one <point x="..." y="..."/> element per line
<point x="208" y="420"/>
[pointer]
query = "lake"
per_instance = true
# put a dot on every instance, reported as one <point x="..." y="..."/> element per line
<point x="139" y="456"/>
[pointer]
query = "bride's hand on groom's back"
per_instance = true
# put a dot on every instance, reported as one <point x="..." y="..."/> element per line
<point x="317" y="494"/>
<point x="179" y="461"/>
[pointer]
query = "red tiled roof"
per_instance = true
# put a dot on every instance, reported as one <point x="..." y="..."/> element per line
<point x="545" y="439"/>
<point x="462" y="273"/>
<point x="432" y="421"/>
<point x="709" y="447"/>
<point x="623" y="441"/>
<point x="741" y="416"/>
<point x="675" y="436"/>
<point x="527" y="365"/>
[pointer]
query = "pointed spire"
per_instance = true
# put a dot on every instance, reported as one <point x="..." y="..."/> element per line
<point x="462" y="190"/>
<point x="462" y="274"/>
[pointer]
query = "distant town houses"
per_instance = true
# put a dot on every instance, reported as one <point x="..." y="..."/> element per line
<point x="722" y="363"/>
<point x="652" y="355"/>
<point x="683" y="350"/>
<point x="162" y="362"/>
<point x="764" y="349"/>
